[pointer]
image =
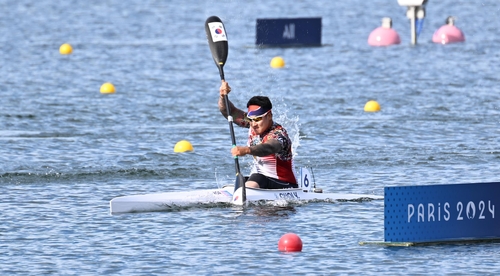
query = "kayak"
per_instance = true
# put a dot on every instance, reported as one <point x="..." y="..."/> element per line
<point x="172" y="200"/>
<point x="228" y="196"/>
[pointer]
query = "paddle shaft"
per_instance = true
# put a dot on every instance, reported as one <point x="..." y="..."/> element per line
<point x="217" y="40"/>
<point x="231" y="128"/>
<point x="240" y="180"/>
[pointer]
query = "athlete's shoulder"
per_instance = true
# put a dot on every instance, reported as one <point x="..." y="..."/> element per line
<point x="278" y="129"/>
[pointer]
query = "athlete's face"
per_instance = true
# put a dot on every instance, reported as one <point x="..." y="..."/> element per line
<point x="260" y="124"/>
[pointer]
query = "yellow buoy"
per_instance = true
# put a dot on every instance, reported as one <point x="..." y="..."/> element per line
<point x="277" y="62"/>
<point x="65" y="49"/>
<point x="183" y="146"/>
<point x="107" y="88"/>
<point x="372" y="106"/>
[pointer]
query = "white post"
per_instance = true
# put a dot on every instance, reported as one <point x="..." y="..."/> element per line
<point x="411" y="13"/>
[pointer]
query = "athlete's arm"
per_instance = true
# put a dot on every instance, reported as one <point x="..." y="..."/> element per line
<point x="269" y="147"/>
<point x="237" y="114"/>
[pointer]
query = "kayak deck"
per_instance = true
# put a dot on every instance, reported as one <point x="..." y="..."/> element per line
<point x="170" y="200"/>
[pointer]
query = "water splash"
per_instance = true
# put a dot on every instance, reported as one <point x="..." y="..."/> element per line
<point x="290" y="123"/>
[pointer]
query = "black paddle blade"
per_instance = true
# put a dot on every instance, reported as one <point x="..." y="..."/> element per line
<point x="217" y="40"/>
<point x="240" y="183"/>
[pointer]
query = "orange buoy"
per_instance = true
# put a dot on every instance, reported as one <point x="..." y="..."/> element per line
<point x="290" y="242"/>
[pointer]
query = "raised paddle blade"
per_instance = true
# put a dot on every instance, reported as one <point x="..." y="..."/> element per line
<point x="217" y="40"/>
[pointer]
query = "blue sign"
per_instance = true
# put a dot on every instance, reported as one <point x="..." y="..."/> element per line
<point x="437" y="213"/>
<point x="289" y="32"/>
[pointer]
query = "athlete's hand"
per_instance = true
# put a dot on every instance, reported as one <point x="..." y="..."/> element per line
<point x="240" y="151"/>
<point x="224" y="88"/>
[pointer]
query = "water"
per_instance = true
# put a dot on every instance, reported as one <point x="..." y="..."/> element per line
<point x="66" y="149"/>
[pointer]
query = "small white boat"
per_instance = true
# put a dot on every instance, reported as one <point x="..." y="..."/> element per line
<point x="226" y="195"/>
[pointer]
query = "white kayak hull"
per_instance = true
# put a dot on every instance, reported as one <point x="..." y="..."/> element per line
<point x="170" y="200"/>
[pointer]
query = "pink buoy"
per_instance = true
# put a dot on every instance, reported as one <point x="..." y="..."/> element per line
<point x="448" y="33"/>
<point x="384" y="35"/>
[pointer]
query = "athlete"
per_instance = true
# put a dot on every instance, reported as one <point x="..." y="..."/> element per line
<point x="268" y="142"/>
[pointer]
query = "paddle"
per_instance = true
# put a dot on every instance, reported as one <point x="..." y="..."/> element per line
<point x="217" y="40"/>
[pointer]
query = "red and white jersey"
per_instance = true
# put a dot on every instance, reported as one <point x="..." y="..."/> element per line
<point x="278" y="165"/>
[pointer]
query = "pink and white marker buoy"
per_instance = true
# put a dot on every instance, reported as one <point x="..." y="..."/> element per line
<point x="384" y="35"/>
<point x="448" y="33"/>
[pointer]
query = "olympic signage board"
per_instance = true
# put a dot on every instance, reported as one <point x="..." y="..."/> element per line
<point x="440" y="213"/>
<point x="288" y="32"/>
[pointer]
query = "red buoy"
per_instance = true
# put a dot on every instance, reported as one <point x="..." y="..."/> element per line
<point x="290" y="242"/>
